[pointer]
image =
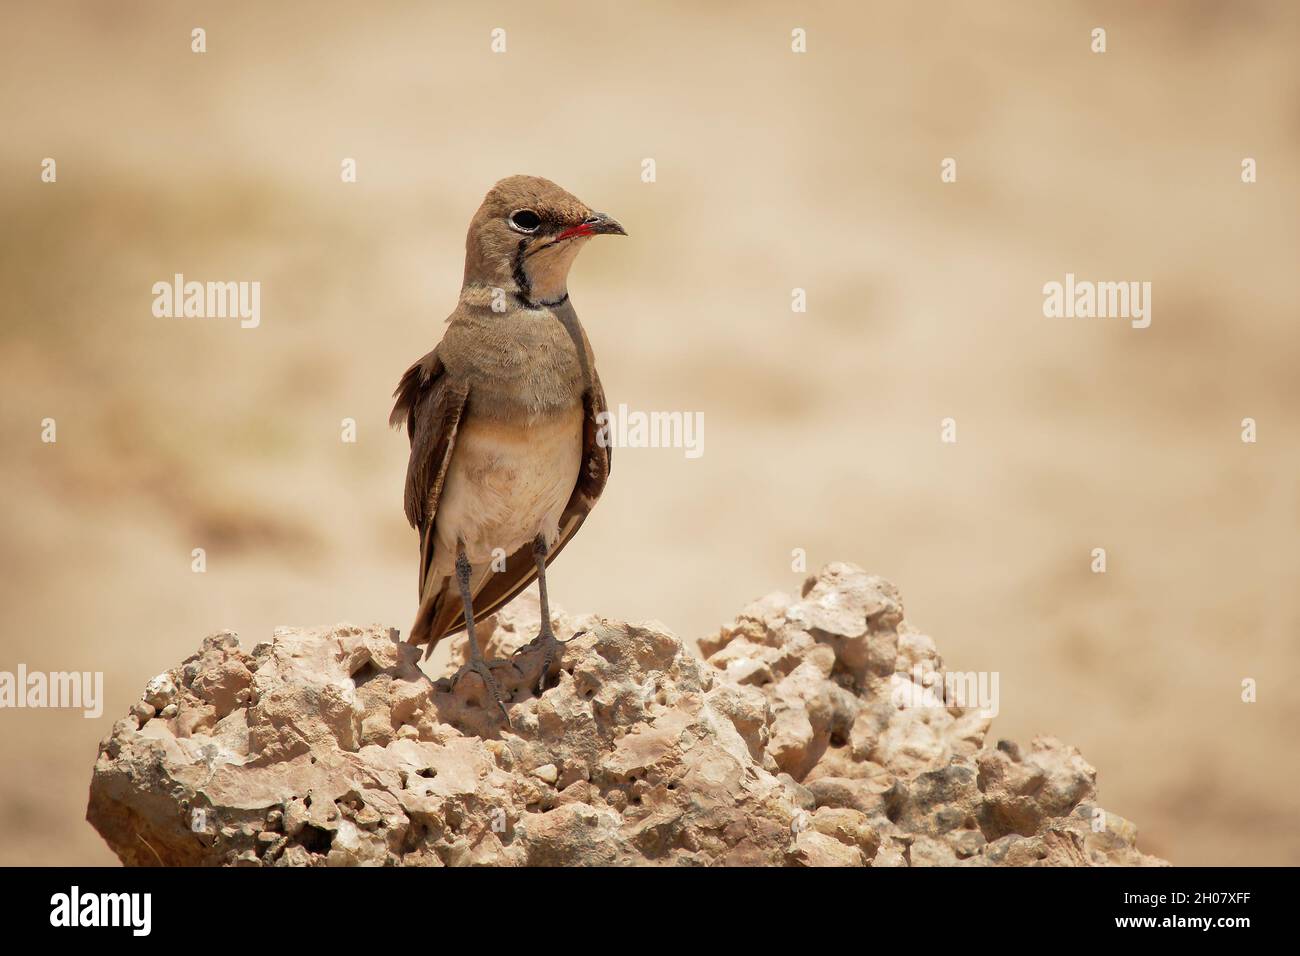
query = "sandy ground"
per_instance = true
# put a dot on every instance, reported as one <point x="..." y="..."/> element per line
<point x="774" y="171"/>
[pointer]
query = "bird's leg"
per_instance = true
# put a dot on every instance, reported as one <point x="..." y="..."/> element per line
<point x="476" y="662"/>
<point x="546" y="636"/>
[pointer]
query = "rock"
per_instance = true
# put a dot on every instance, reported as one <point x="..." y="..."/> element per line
<point x="142" y="712"/>
<point x="816" y="732"/>
<point x="812" y="848"/>
<point x="159" y="692"/>
<point x="848" y="826"/>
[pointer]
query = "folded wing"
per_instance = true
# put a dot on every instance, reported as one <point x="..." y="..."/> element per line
<point x="432" y="405"/>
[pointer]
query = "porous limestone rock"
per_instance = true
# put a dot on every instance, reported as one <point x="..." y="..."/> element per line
<point x="814" y="732"/>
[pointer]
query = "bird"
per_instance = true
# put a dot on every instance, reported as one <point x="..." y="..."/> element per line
<point x="506" y="419"/>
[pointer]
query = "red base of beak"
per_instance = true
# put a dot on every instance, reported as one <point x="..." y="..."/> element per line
<point x="582" y="229"/>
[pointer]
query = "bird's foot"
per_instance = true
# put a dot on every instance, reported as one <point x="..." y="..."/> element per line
<point x="551" y="648"/>
<point x="484" y="671"/>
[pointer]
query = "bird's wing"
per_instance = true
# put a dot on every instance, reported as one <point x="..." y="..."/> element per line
<point x="431" y="402"/>
<point x="499" y="588"/>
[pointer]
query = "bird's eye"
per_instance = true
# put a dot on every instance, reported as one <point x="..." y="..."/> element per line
<point x="525" y="220"/>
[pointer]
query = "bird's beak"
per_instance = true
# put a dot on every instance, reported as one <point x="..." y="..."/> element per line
<point x="605" y="226"/>
<point x="597" y="224"/>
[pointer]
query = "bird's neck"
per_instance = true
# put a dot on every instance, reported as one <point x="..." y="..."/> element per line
<point x="539" y="279"/>
<point x="545" y="274"/>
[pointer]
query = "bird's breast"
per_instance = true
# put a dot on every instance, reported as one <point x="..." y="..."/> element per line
<point x="525" y="364"/>
<point x="509" y="481"/>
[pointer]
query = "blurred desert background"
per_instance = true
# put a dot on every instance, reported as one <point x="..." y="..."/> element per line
<point x="774" y="171"/>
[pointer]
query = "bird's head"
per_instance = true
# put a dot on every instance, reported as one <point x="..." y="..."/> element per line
<point x="525" y="236"/>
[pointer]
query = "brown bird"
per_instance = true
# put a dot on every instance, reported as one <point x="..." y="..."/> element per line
<point x="503" y="420"/>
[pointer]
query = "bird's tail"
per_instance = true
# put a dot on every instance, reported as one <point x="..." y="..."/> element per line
<point x="422" y="629"/>
<point x="438" y="614"/>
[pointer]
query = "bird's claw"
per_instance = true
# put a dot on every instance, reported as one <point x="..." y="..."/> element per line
<point x="541" y="638"/>
<point x="484" y="670"/>
<point x="547" y="660"/>
<point x="553" y="649"/>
